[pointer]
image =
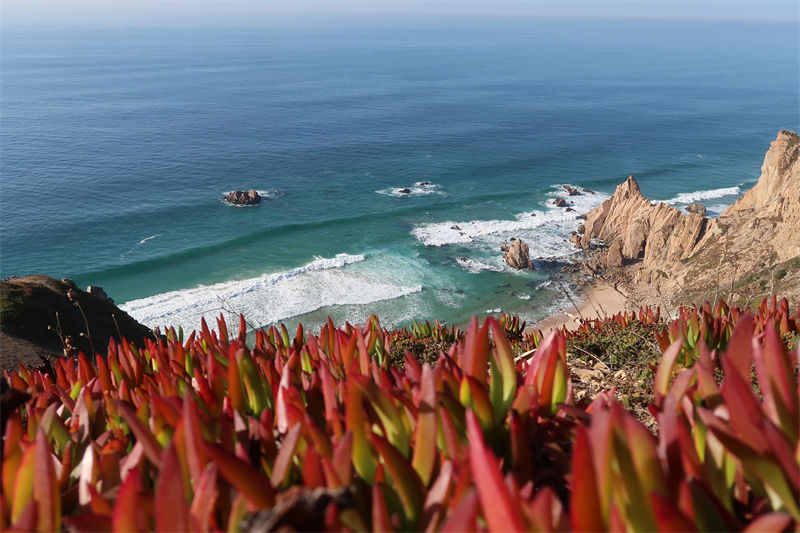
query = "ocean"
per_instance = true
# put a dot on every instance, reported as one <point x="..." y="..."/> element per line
<point x="117" y="145"/>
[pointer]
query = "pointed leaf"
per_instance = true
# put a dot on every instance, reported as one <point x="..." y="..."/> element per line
<point x="408" y="484"/>
<point x="498" y="509"/>
<point x="425" y="441"/>
<point x="585" y="511"/>
<point x="282" y="462"/>
<point x="251" y="482"/>
<point x="171" y="508"/>
<point x="143" y="435"/>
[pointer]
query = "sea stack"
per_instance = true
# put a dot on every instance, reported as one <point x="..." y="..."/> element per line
<point x="518" y="255"/>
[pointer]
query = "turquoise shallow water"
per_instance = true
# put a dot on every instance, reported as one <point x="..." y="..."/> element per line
<point x="117" y="146"/>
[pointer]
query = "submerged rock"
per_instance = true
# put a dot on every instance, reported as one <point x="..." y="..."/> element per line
<point x="404" y="190"/>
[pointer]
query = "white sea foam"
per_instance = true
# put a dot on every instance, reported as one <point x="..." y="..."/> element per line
<point x="698" y="196"/>
<point x="271" y="297"/>
<point x="151" y="237"/>
<point x="420" y="188"/>
<point x="545" y="230"/>
<point x="137" y="245"/>
<point x="474" y="266"/>
<point x="715" y="210"/>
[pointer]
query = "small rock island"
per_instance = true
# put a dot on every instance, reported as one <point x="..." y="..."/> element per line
<point x="250" y="197"/>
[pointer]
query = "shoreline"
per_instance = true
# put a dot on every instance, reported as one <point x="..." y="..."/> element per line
<point x="598" y="301"/>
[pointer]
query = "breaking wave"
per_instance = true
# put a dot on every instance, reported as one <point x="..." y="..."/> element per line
<point x="698" y="196"/>
<point x="272" y="297"/>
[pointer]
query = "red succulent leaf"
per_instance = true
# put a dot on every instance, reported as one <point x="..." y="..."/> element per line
<point x="280" y="469"/>
<point x="499" y="510"/>
<point x="171" y="508"/>
<point x="250" y="482"/>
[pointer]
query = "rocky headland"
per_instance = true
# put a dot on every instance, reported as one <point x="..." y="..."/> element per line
<point x="660" y="255"/>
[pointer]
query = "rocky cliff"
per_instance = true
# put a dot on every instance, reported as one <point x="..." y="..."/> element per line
<point x="754" y="243"/>
<point x="43" y="317"/>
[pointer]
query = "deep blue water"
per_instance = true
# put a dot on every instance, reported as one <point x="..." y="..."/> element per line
<point x="116" y="146"/>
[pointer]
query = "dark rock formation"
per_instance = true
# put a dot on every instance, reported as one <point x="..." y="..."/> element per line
<point x="572" y="191"/>
<point x="39" y="313"/>
<point x="404" y="190"/>
<point x="250" y="197"/>
<point x="518" y="256"/>
<point x="99" y="292"/>
<point x="560" y="202"/>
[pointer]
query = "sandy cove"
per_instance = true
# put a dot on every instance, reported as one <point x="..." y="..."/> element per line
<point x="598" y="301"/>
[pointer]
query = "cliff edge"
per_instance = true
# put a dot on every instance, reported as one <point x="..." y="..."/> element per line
<point x="750" y="251"/>
<point x="42" y="317"/>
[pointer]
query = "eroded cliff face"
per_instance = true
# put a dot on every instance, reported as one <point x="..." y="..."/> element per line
<point x="668" y="251"/>
<point x="775" y="199"/>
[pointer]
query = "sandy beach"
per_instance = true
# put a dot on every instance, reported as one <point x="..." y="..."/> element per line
<point x="599" y="301"/>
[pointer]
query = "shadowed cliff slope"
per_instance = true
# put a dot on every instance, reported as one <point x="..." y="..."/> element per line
<point x="37" y="316"/>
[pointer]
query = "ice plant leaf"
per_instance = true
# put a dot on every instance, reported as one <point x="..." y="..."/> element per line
<point x="408" y="484"/>
<point x="281" y="467"/>
<point x="425" y="440"/>
<point x="356" y="424"/>
<point x="143" y="435"/>
<point x="389" y="414"/>
<point x="23" y="483"/>
<point x="45" y="487"/>
<point x="380" y="514"/>
<point x="127" y="509"/>
<point x="503" y="359"/>
<point x="585" y="510"/>
<point x="251" y="482"/>
<point x="205" y="497"/>
<point x="235" y="391"/>
<point x="664" y="371"/>
<point x="171" y="508"/>
<point x="498" y="509"/>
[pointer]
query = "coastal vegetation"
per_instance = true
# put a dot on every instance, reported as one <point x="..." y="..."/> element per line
<point x="427" y="428"/>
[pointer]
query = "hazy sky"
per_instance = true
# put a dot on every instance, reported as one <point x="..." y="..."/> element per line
<point x="254" y="12"/>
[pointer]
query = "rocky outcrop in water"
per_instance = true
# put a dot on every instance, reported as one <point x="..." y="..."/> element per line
<point x="518" y="255"/>
<point x="699" y="209"/>
<point x="250" y="197"/>
<point x="44" y="317"/>
<point x="754" y="241"/>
